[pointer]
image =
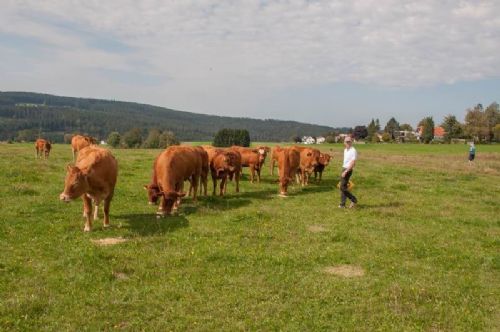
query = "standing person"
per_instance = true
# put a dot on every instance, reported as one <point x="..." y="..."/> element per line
<point x="472" y="152"/>
<point x="350" y="156"/>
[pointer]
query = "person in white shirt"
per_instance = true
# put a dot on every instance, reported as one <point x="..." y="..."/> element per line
<point x="350" y="156"/>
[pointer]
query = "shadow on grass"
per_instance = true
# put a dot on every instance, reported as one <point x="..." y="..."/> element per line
<point x="147" y="224"/>
<point x="378" y="206"/>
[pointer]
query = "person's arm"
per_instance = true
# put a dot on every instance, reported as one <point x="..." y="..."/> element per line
<point x="349" y="167"/>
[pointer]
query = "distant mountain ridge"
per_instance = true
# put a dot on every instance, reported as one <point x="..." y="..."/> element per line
<point x="53" y="116"/>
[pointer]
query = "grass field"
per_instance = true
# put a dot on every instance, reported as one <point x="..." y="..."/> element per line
<point x="421" y="252"/>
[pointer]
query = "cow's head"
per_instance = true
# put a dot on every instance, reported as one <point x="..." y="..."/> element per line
<point x="75" y="184"/>
<point x="170" y="198"/>
<point x="154" y="193"/>
<point x="224" y="162"/>
<point x="324" y="159"/>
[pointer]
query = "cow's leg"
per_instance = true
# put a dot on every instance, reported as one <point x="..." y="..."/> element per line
<point x="205" y="184"/>
<point x="258" y="175"/>
<point x="96" y="210"/>
<point x="214" y="181"/>
<point x="196" y="179"/>
<point x="107" y="203"/>
<point x="252" y="173"/>
<point x="237" y="181"/>
<point x="223" y="182"/>
<point x="87" y="211"/>
<point x="320" y="175"/>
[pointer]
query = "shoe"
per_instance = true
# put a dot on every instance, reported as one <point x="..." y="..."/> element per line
<point x="352" y="205"/>
<point x="341" y="206"/>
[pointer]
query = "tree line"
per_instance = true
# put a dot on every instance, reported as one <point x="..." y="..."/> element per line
<point x="480" y="124"/>
<point x="26" y="116"/>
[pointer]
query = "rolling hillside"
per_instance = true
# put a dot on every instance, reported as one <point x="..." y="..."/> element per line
<point x="53" y="116"/>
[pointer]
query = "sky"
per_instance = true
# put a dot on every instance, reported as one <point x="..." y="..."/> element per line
<point x="335" y="63"/>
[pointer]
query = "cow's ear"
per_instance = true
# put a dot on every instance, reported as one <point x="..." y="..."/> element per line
<point x="71" y="167"/>
<point x="181" y="194"/>
<point x="145" y="187"/>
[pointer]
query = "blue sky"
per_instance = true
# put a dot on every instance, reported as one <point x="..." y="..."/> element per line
<point x="336" y="63"/>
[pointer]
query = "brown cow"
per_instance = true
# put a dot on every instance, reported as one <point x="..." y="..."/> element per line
<point x="309" y="158"/>
<point x="223" y="165"/>
<point x="288" y="164"/>
<point x="274" y="158"/>
<point x="252" y="158"/>
<point x="94" y="178"/>
<point x="42" y="148"/>
<point x="171" y="168"/>
<point x="324" y="160"/>
<point x="79" y="142"/>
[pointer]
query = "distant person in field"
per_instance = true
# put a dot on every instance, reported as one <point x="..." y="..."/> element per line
<point x="472" y="152"/>
<point x="350" y="156"/>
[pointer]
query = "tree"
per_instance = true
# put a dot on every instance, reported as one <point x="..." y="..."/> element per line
<point x="166" y="139"/>
<point x="27" y="135"/>
<point x="406" y="127"/>
<point x="114" y="139"/>
<point x="492" y="118"/>
<point x="377" y="125"/>
<point x="153" y="139"/>
<point x="428" y="129"/>
<point x="496" y="132"/>
<point x="295" y="139"/>
<point x="452" y="127"/>
<point x="391" y="127"/>
<point x="360" y="132"/>
<point x="132" y="138"/>
<point x="476" y="124"/>
<point x="227" y="137"/>
<point x="371" y="130"/>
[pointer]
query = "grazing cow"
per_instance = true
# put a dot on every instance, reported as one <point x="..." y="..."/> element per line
<point x="94" y="178"/>
<point x="171" y="168"/>
<point x="42" y="148"/>
<point x="288" y="164"/>
<point x="223" y="165"/>
<point x="309" y="158"/>
<point x="79" y="142"/>
<point x="324" y="160"/>
<point x="252" y="158"/>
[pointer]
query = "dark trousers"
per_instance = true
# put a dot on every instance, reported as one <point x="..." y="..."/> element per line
<point x="344" y="192"/>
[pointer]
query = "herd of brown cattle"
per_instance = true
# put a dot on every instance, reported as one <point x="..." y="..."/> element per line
<point x="94" y="174"/>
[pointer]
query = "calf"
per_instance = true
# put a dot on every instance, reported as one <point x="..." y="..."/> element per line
<point x="309" y="158"/>
<point x="79" y="142"/>
<point x="288" y="164"/>
<point x="251" y="158"/>
<point x="225" y="164"/>
<point x="324" y="160"/>
<point x="171" y="168"/>
<point x="93" y="177"/>
<point x="42" y="148"/>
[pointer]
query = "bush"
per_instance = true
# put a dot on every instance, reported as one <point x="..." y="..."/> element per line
<point x="132" y="138"/>
<point x="153" y="139"/>
<point x="114" y="139"/>
<point x="166" y="139"/>
<point x="386" y="137"/>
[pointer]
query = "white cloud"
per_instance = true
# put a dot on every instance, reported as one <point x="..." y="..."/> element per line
<point x="217" y="52"/>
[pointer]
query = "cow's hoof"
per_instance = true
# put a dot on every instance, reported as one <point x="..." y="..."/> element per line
<point x="106" y="225"/>
<point x="86" y="229"/>
<point x="282" y="195"/>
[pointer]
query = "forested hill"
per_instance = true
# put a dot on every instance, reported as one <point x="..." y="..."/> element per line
<point x="26" y="113"/>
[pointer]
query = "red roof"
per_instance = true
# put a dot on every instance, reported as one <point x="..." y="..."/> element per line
<point x="439" y="131"/>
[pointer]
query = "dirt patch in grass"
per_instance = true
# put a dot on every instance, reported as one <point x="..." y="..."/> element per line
<point x="120" y="275"/>
<point x="109" y="241"/>
<point x="346" y="271"/>
<point x="317" y="229"/>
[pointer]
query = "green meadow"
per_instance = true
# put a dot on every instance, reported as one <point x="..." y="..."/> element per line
<point x="420" y="252"/>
